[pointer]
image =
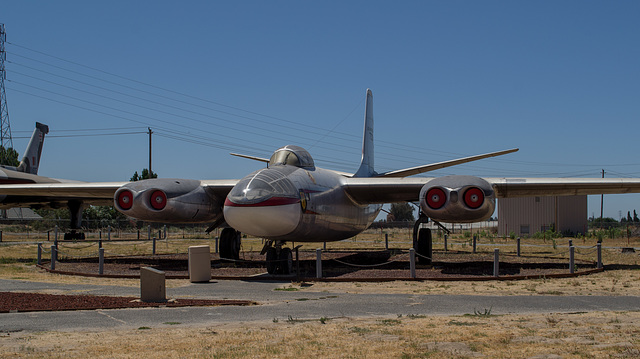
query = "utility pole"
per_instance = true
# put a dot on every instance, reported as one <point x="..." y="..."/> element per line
<point x="5" y="129"/>
<point x="150" y="133"/>
<point x="601" y="204"/>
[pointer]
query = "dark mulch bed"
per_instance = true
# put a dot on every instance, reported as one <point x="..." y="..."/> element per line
<point x="31" y="302"/>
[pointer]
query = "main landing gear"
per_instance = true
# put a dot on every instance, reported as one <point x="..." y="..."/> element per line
<point x="75" y="209"/>
<point x="230" y="241"/>
<point x="279" y="258"/>
<point x="423" y="241"/>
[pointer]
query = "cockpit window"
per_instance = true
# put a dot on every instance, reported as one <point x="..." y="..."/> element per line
<point x="292" y="156"/>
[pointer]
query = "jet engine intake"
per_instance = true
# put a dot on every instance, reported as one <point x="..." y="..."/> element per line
<point x="168" y="200"/>
<point x="458" y="199"/>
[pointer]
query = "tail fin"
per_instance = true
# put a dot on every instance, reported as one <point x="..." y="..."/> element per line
<point x="31" y="159"/>
<point x="366" y="164"/>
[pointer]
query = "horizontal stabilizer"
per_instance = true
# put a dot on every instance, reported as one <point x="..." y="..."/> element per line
<point x="250" y="157"/>
<point x="436" y="166"/>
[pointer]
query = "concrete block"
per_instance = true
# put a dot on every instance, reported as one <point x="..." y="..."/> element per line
<point x="199" y="264"/>
<point x="152" y="285"/>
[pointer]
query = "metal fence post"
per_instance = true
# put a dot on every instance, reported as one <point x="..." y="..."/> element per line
<point x="599" y="248"/>
<point x="318" y="263"/>
<point x="54" y="257"/>
<point x="518" y="246"/>
<point x="446" y="249"/>
<point x="101" y="261"/>
<point x="165" y="232"/>
<point x="474" y="243"/>
<point x="571" y="260"/>
<point x="496" y="262"/>
<point x="154" y="246"/>
<point x="386" y="241"/>
<point x="109" y="233"/>
<point x="412" y="262"/>
<point x="149" y="234"/>
<point x="55" y="236"/>
<point x="39" y="253"/>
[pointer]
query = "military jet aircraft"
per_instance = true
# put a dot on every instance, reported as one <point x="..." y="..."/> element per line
<point x="292" y="200"/>
<point x="27" y="173"/>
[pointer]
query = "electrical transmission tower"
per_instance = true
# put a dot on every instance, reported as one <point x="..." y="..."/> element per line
<point x="5" y="128"/>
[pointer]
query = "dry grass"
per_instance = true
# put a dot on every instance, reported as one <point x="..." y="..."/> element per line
<point x="614" y="283"/>
<point x="580" y="335"/>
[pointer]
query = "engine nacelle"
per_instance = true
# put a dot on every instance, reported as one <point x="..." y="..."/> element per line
<point x="458" y="199"/>
<point x="168" y="200"/>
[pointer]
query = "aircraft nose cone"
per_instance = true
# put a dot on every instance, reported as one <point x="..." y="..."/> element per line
<point x="263" y="204"/>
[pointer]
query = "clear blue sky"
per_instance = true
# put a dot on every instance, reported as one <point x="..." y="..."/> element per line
<point x="558" y="79"/>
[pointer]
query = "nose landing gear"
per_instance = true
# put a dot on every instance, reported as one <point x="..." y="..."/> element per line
<point x="422" y="241"/>
<point x="279" y="258"/>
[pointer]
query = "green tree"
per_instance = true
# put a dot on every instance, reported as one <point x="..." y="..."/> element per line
<point x="103" y="216"/>
<point x="9" y="157"/>
<point x="402" y="212"/>
<point x="144" y="176"/>
<point x="635" y="217"/>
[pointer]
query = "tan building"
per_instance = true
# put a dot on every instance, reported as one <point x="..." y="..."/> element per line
<point x="528" y="215"/>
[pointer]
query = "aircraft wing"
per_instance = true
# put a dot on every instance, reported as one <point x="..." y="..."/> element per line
<point x="99" y="190"/>
<point x="90" y="190"/>
<point x="528" y="187"/>
<point x="391" y="190"/>
<point x="46" y="194"/>
<point x="93" y="193"/>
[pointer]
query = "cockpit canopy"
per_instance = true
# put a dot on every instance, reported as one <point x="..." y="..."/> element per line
<point x="292" y="156"/>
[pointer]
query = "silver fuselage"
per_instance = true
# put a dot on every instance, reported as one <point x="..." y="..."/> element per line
<point x="289" y="203"/>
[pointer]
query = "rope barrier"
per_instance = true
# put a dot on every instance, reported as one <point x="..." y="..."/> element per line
<point x="363" y="265"/>
<point x="421" y="256"/>
<point x="78" y="248"/>
<point x="64" y="255"/>
<point x="586" y="253"/>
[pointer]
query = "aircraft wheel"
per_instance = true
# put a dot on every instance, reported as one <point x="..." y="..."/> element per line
<point x="229" y="244"/>
<point x="236" y="242"/>
<point x="425" y="246"/>
<point x="272" y="260"/>
<point x="286" y="261"/>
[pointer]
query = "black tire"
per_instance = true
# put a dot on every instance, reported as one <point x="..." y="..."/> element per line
<point x="272" y="260"/>
<point x="424" y="246"/>
<point x="285" y="261"/>
<point x="226" y="245"/>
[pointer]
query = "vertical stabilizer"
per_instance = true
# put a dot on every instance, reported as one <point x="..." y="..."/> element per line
<point x="366" y="164"/>
<point x="31" y="158"/>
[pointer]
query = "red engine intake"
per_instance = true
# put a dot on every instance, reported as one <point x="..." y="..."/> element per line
<point x="458" y="199"/>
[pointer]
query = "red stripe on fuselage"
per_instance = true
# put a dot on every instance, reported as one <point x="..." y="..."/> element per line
<point x="273" y="201"/>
